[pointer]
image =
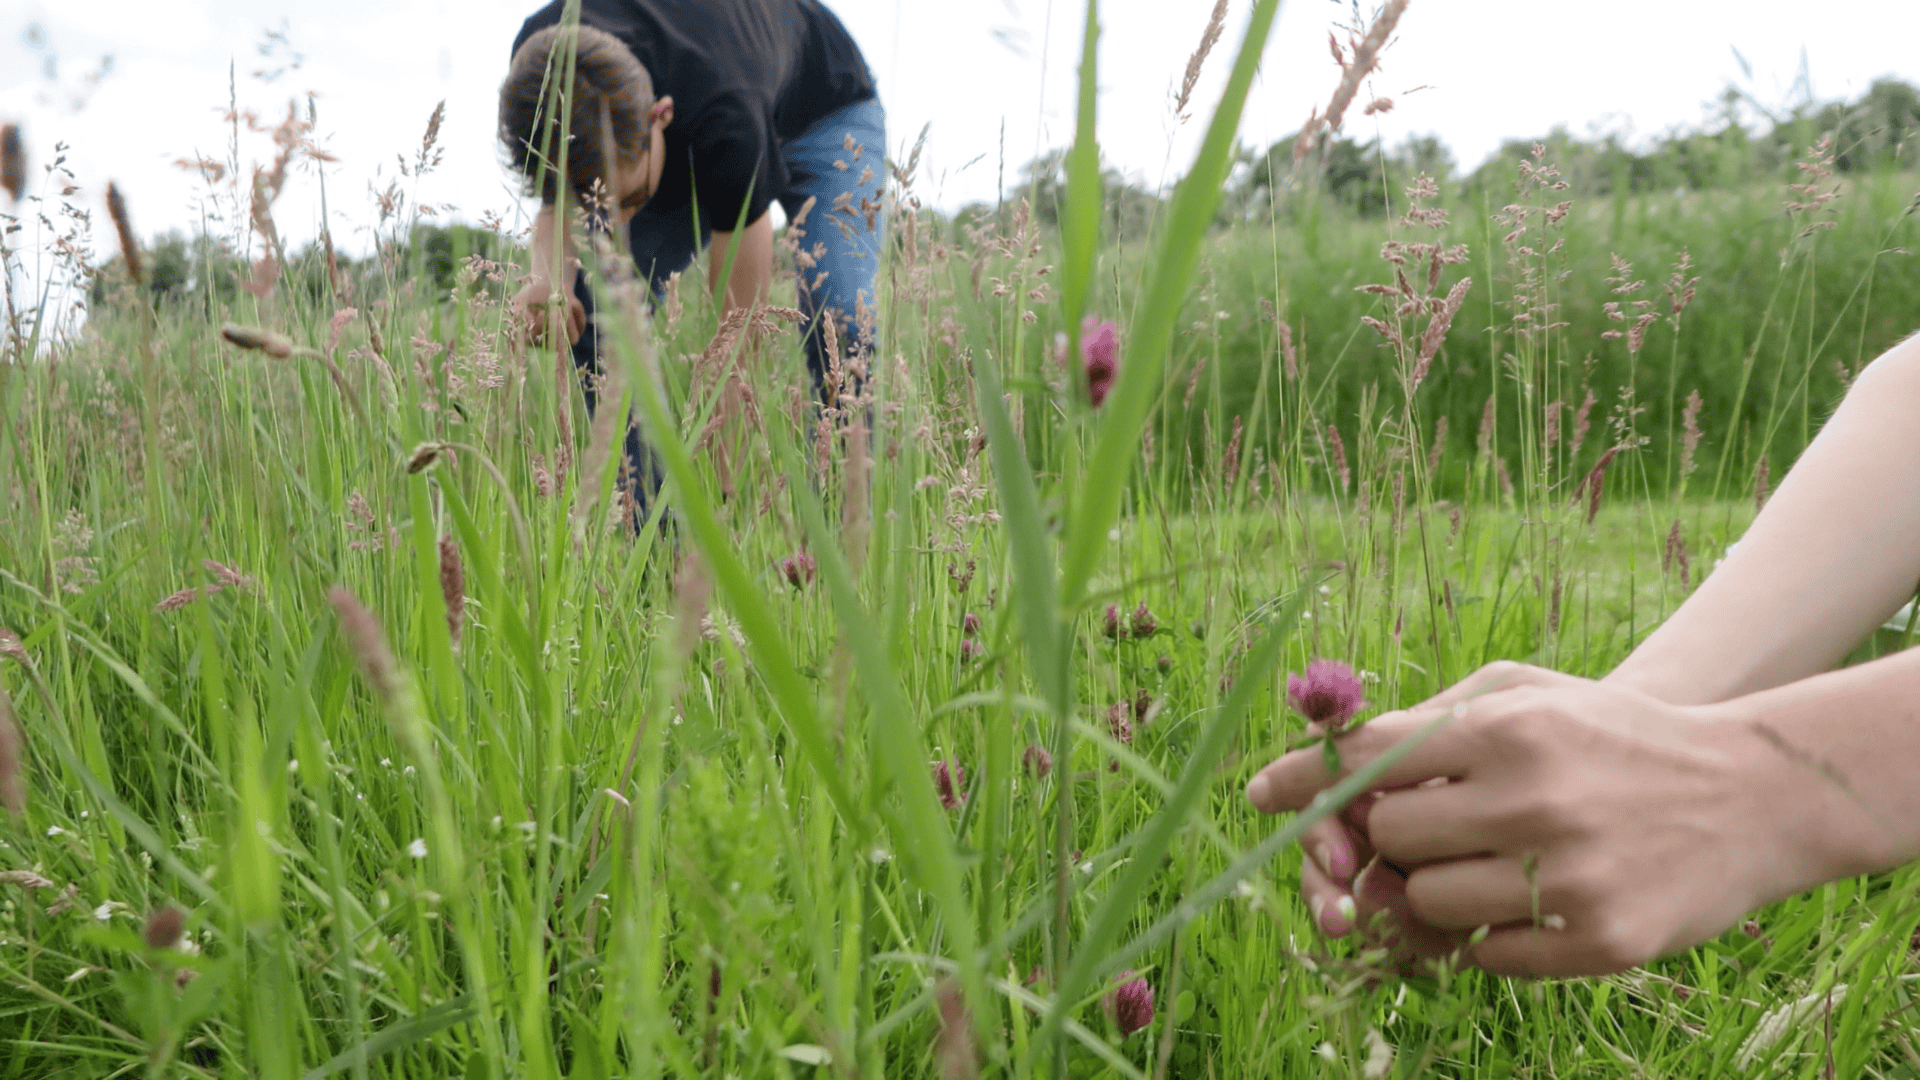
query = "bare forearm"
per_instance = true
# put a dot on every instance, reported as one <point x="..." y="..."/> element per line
<point x="1836" y="756"/>
<point x="542" y="252"/>
<point x="1834" y="553"/>
<point x="750" y="278"/>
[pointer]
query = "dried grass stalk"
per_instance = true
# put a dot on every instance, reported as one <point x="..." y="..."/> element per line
<point x="13" y="776"/>
<point x="1208" y="38"/>
<point x="123" y="227"/>
<point x="1366" y="55"/>
<point x="13" y="162"/>
<point x="368" y="643"/>
<point x="453" y="588"/>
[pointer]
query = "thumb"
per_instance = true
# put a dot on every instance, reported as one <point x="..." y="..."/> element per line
<point x="1498" y="675"/>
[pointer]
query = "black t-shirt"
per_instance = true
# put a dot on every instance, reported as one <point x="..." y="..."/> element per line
<point x="744" y="75"/>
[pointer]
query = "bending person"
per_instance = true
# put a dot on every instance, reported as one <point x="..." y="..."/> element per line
<point x="1597" y="825"/>
<point x="715" y="110"/>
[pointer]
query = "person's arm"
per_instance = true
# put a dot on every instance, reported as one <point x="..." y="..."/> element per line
<point x="1592" y="828"/>
<point x="1835" y="552"/>
<point x="752" y="277"/>
<point x="530" y="303"/>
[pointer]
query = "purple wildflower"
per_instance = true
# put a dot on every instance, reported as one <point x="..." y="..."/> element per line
<point x="970" y="623"/>
<point x="1329" y="695"/>
<point x="1037" y="761"/>
<point x="799" y="569"/>
<point x="969" y="650"/>
<point x="950" y="782"/>
<point x="1131" y="1004"/>
<point x="1165" y="663"/>
<point x="1119" y="721"/>
<point x="1114" y="630"/>
<point x="1142" y="705"/>
<point x="1143" y="622"/>
<point x="1100" y="353"/>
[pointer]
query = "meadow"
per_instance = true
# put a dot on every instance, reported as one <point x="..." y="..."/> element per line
<point x="359" y="729"/>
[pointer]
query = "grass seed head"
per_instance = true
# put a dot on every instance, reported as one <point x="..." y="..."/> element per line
<point x="957" y="1058"/>
<point x="13" y="777"/>
<point x="249" y="337"/>
<point x="423" y="457"/>
<point x="13" y="162"/>
<point x="368" y="643"/>
<point x="123" y="227"/>
<point x="453" y="588"/>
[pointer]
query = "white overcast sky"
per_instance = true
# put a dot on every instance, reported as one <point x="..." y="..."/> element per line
<point x="1494" y="69"/>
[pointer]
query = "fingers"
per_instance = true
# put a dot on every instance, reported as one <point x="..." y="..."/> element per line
<point x="1291" y="782"/>
<point x="576" y="320"/>
<point x="1331" y="845"/>
<point x="1441" y="821"/>
<point x="1467" y="893"/>
<point x="1540" y="952"/>
<point x="1334" y="913"/>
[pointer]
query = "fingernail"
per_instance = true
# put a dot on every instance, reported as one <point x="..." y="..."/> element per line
<point x="1319" y="905"/>
<point x="1258" y="789"/>
<point x="1347" y="911"/>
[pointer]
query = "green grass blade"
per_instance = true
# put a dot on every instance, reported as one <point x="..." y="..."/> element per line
<point x="928" y="843"/>
<point x="632" y="337"/>
<point x="1080" y="216"/>
<point x="1097" y="504"/>
<point x="1108" y="919"/>
<point x="395" y="1037"/>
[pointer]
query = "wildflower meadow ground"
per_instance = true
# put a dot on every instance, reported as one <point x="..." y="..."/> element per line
<point x="356" y="721"/>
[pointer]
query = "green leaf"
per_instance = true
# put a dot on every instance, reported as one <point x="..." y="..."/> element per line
<point x="395" y="1036"/>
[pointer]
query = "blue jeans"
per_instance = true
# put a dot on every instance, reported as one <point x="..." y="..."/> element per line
<point x="841" y="238"/>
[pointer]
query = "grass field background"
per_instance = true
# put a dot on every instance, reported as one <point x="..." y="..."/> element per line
<point x="350" y="657"/>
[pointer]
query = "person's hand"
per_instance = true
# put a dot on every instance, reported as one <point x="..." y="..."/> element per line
<point x="1590" y="828"/>
<point x="1343" y="880"/>
<point x="532" y="305"/>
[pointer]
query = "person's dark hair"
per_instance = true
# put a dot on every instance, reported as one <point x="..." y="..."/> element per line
<point x="612" y="97"/>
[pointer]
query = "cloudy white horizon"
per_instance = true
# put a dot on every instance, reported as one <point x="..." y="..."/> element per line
<point x="992" y="81"/>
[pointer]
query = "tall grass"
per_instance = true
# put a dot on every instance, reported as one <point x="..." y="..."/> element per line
<point x="921" y="725"/>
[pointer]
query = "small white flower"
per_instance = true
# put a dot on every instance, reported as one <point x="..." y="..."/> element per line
<point x="408" y="771"/>
<point x="879" y="856"/>
<point x="1325" y="1050"/>
<point x="293" y="766"/>
<point x="417" y="849"/>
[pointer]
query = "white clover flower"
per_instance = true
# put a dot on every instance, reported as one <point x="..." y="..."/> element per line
<point x="417" y="849"/>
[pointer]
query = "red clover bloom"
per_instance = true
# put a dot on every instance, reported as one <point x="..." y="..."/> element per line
<point x="1144" y="624"/>
<point x="1131" y="1004"/>
<point x="950" y="782"/>
<point x="1329" y="695"/>
<point x="798" y="569"/>
<point x="1037" y="761"/>
<point x="1100" y="354"/>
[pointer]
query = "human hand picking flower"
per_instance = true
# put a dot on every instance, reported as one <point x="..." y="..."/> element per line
<point x="1590" y="828"/>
